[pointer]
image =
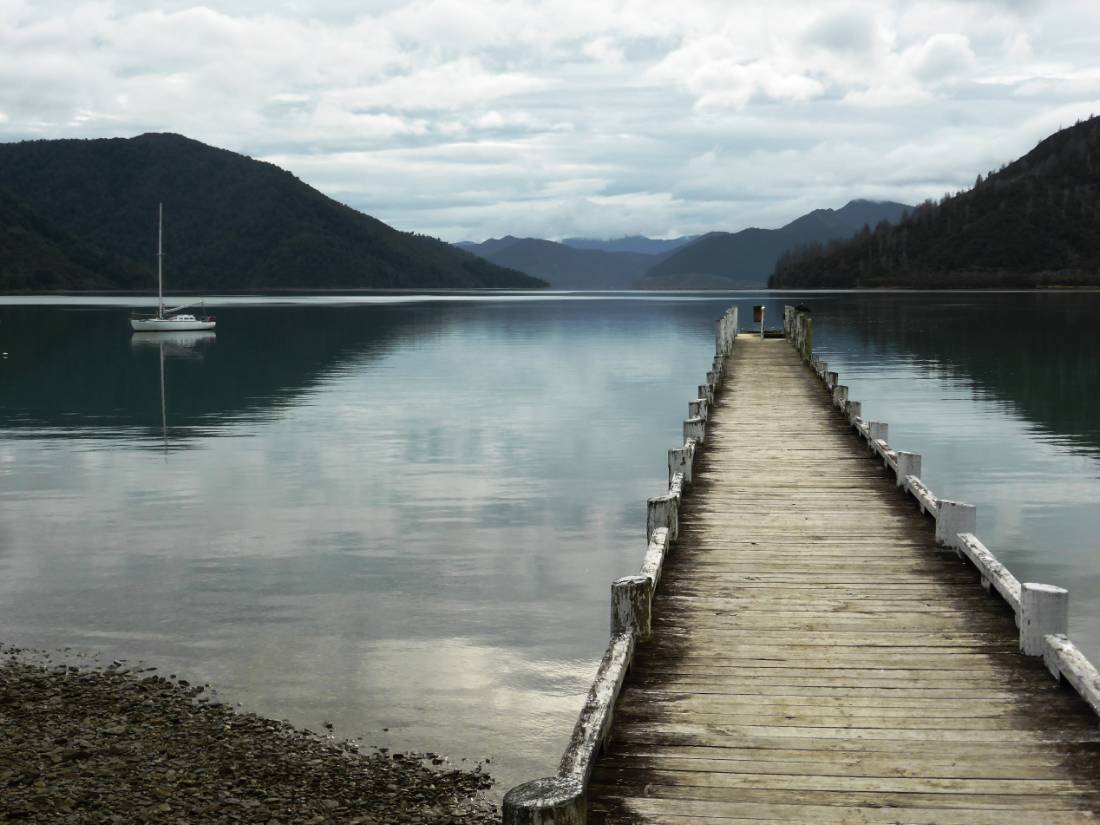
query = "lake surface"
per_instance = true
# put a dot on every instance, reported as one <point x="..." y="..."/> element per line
<point x="402" y="514"/>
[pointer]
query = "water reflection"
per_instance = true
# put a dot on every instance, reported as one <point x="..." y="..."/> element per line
<point x="1035" y="352"/>
<point x="406" y="494"/>
<point x="175" y="344"/>
<point x="407" y="516"/>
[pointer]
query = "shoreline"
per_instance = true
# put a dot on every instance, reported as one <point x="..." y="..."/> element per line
<point x="119" y="744"/>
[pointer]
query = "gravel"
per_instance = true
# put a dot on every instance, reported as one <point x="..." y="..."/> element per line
<point x="121" y="745"/>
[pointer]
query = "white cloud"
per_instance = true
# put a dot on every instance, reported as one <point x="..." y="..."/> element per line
<point x="470" y="118"/>
<point x="942" y="57"/>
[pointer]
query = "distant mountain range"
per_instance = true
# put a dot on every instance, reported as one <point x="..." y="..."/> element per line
<point x="745" y="259"/>
<point x="718" y="260"/>
<point x="81" y="214"/>
<point x="631" y="243"/>
<point x="1033" y="223"/>
<point x="564" y="266"/>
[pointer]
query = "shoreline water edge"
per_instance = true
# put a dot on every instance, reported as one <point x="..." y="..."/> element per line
<point x="84" y="743"/>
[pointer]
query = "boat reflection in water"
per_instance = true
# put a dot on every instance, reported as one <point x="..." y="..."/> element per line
<point x="191" y="345"/>
<point x="175" y="343"/>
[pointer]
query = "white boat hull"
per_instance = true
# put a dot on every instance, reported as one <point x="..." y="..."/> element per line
<point x="169" y="325"/>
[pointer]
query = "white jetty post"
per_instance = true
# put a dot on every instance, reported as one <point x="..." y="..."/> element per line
<point x="832" y="379"/>
<point x="908" y="465"/>
<point x="555" y="800"/>
<point x="840" y="395"/>
<point x="697" y="408"/>
<point x="952" y="518"/>
<point x="630" y="606"/>
<point x="695" y="428"/>
<point x="878" y="431"/>
<point x="680" y="460"/>
<point x="1044" y="610"/>
<point x="662" y="511"/>
<point x="855" y="410"/>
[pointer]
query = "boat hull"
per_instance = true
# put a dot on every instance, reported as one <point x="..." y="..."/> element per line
<point x="169" y="325"/>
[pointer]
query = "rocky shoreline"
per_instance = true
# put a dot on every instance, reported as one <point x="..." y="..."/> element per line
<point x="120" y="745"/>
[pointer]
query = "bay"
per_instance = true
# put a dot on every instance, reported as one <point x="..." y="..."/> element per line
<point x="402" y="513"/>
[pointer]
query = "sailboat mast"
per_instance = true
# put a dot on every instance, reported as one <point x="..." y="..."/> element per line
<point x="160" y="260"/>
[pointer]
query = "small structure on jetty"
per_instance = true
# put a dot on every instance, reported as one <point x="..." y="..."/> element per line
<point x="816" y="637"/>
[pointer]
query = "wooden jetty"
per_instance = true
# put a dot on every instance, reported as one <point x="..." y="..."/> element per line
<point x="815" y="637"/>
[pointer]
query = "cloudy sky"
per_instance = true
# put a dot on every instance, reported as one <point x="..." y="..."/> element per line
<point x="468" y="119"/>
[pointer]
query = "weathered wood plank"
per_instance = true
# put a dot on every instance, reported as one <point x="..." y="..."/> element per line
<point x="816" y="657"/>
<point x="616" y="808"/>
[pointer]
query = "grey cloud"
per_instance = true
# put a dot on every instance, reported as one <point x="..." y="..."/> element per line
<point x="850" y="31"/>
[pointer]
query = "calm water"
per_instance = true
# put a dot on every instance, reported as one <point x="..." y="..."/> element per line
<point x="406" y="513"/>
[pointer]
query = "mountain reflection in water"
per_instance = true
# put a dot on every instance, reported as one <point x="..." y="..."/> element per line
<point x="408" y="516"/>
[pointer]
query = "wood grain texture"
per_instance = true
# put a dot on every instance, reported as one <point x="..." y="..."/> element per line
<point x="817" y="658"/>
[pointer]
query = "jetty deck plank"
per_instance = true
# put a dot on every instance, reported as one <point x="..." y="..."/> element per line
<point x="817" y="658"/>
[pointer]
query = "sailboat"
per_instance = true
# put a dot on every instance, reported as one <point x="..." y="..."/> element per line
<point x="167" y="319"/>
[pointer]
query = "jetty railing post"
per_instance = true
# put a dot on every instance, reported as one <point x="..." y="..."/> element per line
<point x="952" y="518"/>
<point x="840" y="396"/>
<point x="908" y="465"/>
<point x="878" y="431"/>
<point x="695" y="428"/>
<point x="555" y="800"/>
<point x="662" y="511"/>
<point x="854" y="409"/>
<point x="680" y="460"/>
<point x="631" y="598"/>
<point x="1044" y="611"/>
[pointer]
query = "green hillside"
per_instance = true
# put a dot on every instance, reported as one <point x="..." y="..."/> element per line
<point x="1033" y="223"/>
<point x="35" y="256"/>
<point x="230" y="222"/>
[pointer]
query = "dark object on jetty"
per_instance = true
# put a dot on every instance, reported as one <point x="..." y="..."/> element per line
<point x="109" y="746"/>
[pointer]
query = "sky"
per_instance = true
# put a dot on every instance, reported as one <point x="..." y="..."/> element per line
<point x="469" y="119"/>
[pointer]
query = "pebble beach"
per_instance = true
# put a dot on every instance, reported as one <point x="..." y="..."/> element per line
<point x="121" y="744"/>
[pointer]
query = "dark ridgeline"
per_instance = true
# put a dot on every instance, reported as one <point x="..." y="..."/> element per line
<point x="745" y="259"/>
<point x="1034" y="223"/>
<point x="81" y="214"/>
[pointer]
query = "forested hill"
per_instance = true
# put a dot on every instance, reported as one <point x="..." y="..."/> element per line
<point x="1036" y="222"/>
<point x="37" y="256"/>
<point x="745" y="259"/>
<point x="230" y="223"/>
